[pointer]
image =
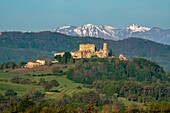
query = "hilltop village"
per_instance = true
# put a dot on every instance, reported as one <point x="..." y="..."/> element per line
<point x="85" y="51"/>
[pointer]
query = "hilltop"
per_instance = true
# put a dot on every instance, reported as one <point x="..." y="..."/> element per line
<point x="25" y="46"/>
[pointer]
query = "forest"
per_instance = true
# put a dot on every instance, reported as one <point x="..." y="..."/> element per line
<point x="114" y="86"/>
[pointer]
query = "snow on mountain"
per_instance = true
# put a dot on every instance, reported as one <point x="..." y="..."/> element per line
<point x="89" y="30"/>
<point x="111" y="33"/>
<point x="64" y="27"/>
<point x="137" y="28"/>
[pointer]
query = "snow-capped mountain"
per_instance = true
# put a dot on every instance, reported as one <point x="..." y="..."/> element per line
<point x="137" y="28"/>
<point x="109" y="32"/>
<point x="89" y="30"/>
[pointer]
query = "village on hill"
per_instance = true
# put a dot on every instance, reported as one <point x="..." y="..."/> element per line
<point x="85" y="51"/>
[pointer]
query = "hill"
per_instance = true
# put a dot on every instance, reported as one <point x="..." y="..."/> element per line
<point x="19" y="46"/>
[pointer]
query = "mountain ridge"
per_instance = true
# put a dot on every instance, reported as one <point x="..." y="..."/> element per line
<point x="108" y="32"/>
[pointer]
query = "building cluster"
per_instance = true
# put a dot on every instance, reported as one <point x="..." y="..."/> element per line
<point x="88" y="51"/>
<point x="85" y="51"/>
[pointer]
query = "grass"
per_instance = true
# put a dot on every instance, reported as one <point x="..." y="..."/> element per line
<point x="40" y="72"/>
<point x="67" y="86"/>
<point x="21" y="89"/>
<point x="129" y="103"/>
<point x="9" y="75"/>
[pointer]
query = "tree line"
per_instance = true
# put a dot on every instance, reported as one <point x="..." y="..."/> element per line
<point x="135" y="91"/>
<point x="86" y="102"/>
<point x="139" y="69"/>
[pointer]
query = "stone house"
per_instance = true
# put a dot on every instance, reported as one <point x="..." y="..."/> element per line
<point x="32" y="64"/>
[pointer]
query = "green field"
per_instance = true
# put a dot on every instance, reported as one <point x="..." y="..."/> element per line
<point x="21" y="89"/>
<point x="67" y="87"/>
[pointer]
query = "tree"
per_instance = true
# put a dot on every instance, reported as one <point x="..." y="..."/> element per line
<point x="57" y="71"/>
<point x="26" y="81"/>
<point x="2" y="97"/>
<point x="54" y="83"/>
<point x="110" y="52"/>
<point x="48" y="86"/>
<point x="25" y="104"/>
<point x="38" y="94"/>
<point x="168" y="73"/>
<point x="58" y="58"/>
<point x="48" y="62"/>
<point x="66" y="57"/>
<point x="158" y="107"/>
<point x="10" y="92"/>
<point x="42" y="81"/>
<point x="9" y="65"/>
<point x="21" y="64"/>
<point x="135" y="109"/>
<point x="16" y="80"/>
<point x="72" y="60"/>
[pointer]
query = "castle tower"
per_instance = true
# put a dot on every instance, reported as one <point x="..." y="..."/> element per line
<point x="87" y="47"/>
<point x="104" y="46"/>
<point x="105" y="51"/>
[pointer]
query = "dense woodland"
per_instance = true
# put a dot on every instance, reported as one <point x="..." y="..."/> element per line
<point x="138" y="80"/>
<point x="90" y="102"/>
<point x="139" y="69"/>
<point x="18" y="46"/>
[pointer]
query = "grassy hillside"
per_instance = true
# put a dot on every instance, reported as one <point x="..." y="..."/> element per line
<point x="104" y="95"/>
<point x="18" y="46"/>
<point x="66" y="86"/>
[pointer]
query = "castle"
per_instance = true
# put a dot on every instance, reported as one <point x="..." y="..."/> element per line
<point x="87" y="51"/>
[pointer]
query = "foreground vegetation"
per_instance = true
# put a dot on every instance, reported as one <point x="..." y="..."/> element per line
<point x="139" y="69"/>
<point x="93" y="85"/>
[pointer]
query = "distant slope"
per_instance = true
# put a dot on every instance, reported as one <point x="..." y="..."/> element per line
<point x="18" y="46"/>
<point x="108" y="32"/>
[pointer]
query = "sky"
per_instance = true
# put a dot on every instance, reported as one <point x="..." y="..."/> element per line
<point x="40" y="15"/>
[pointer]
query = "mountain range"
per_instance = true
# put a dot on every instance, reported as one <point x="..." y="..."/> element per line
<point x="26" y="46"/>
<point x="108" y="32"/>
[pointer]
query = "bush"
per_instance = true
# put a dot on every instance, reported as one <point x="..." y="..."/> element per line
<point x="10" y="92"/>
<point x="16" y="80"/>
<point x="54" y="83"/>
<point x="79" y="87"/>
<point x="25" y="104"/>
<point x="57" y="71"/>
<point x="2" y="97"/>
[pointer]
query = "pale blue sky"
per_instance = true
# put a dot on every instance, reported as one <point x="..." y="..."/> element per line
<point x="41" y="15"/>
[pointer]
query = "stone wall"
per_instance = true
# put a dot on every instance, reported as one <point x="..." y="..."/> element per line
<point x="87" y="47"/>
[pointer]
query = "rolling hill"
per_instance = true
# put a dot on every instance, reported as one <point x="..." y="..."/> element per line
<point x="19" y="46"/>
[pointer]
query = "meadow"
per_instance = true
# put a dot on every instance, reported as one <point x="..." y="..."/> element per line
<point x="66" y="87"/>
